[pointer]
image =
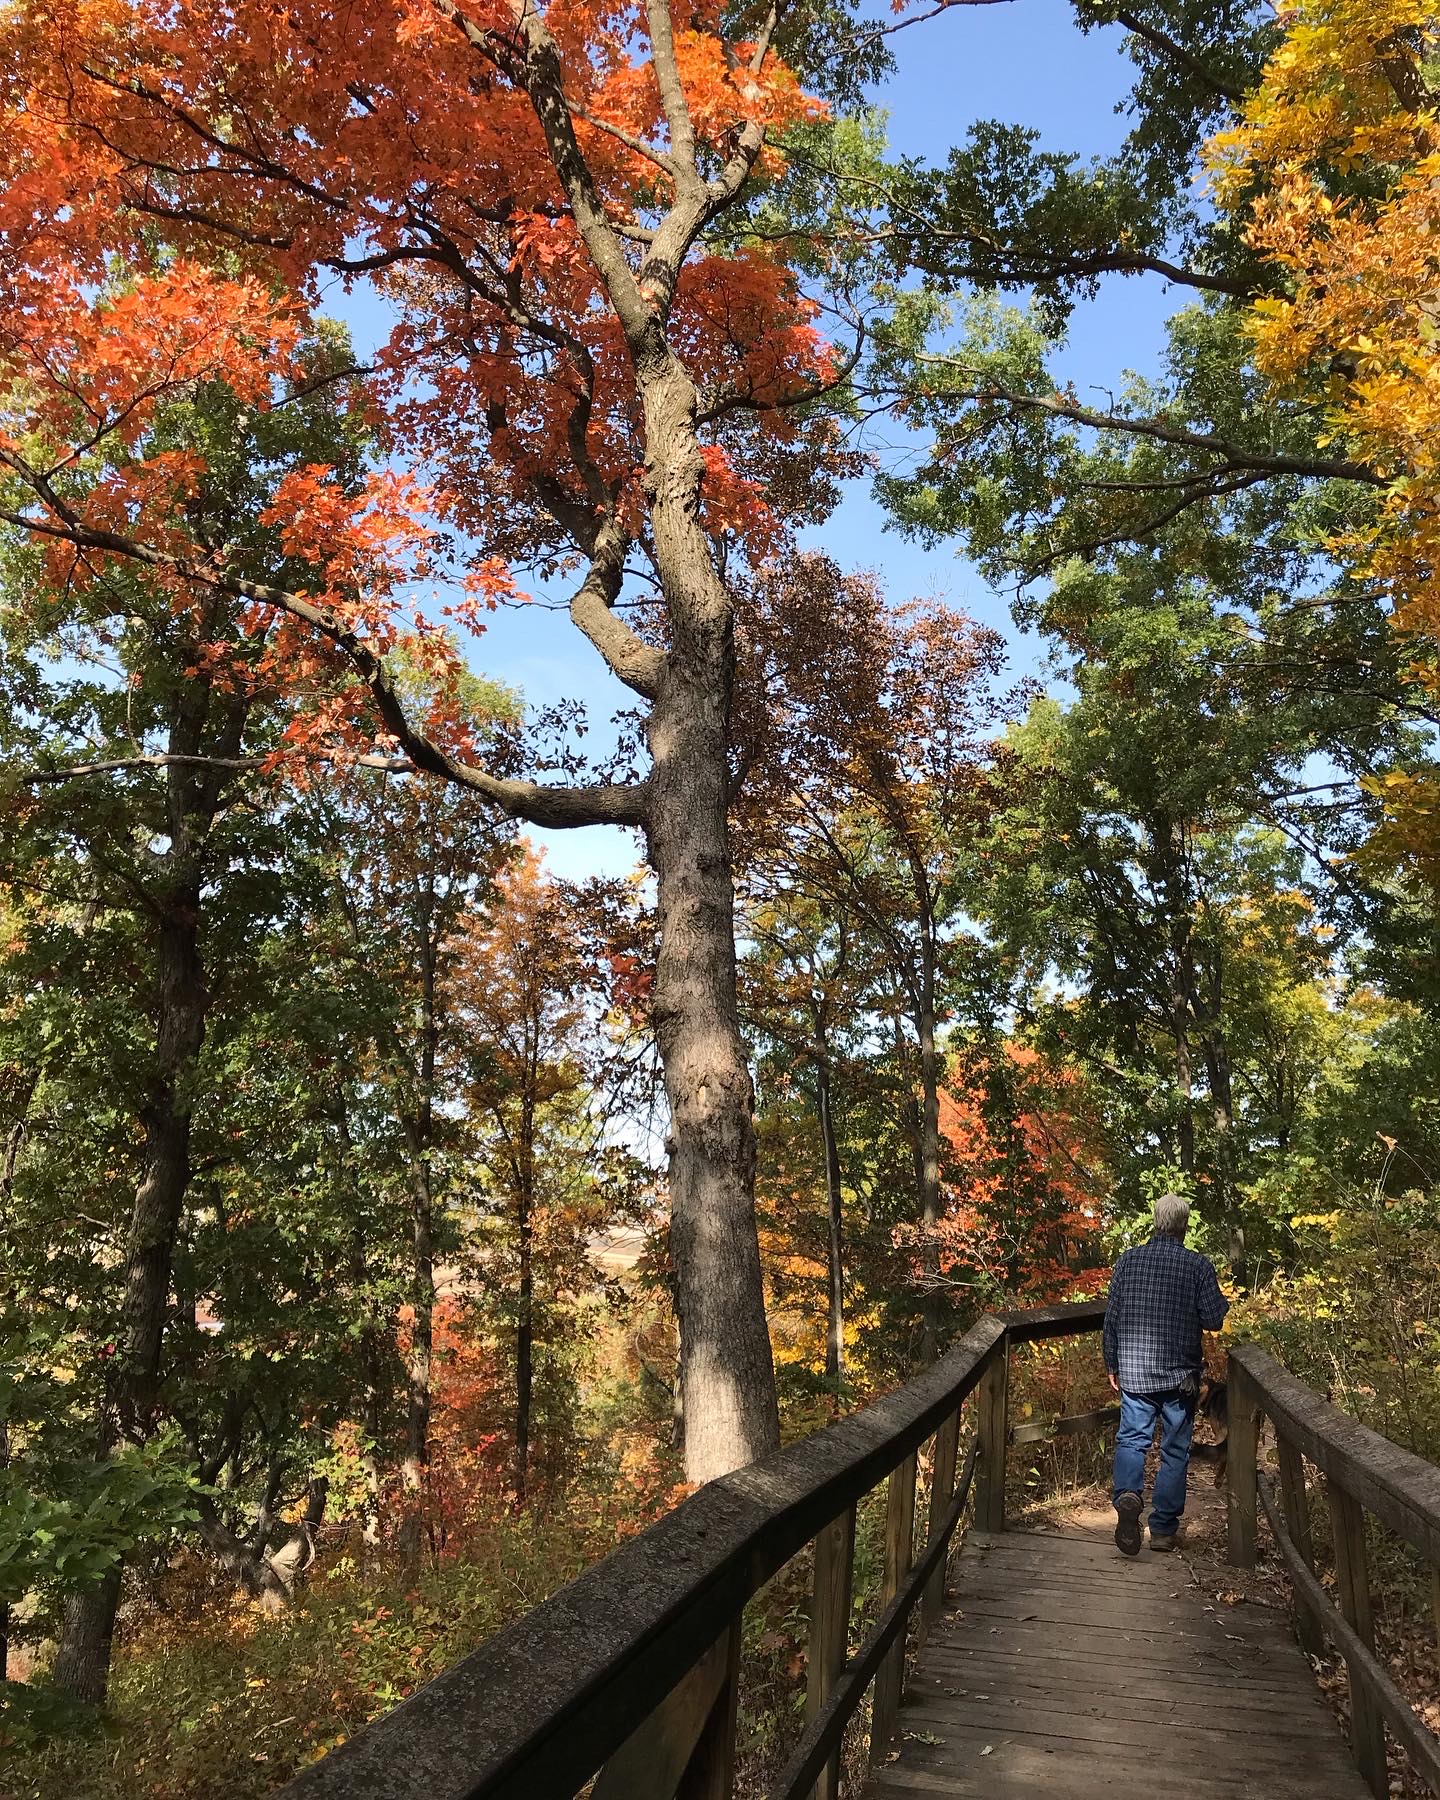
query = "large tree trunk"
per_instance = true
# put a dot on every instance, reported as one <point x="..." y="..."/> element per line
<point x="181" y="1004"/>
<point x="834" y="1241"/>
<point x="82" y="1664"/>
<point x="726" y="1369"/>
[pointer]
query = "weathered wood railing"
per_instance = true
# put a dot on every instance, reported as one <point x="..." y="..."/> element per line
<point x="629" y="1676"/>
<point x="1363" y="1472"/>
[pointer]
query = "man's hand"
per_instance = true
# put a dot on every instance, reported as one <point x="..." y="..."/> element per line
<point x="1113" y="1379"/>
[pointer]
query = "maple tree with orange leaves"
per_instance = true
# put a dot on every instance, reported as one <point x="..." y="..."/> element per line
<point x="583" y="375"/>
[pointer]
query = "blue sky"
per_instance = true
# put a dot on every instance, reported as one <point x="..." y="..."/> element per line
<point x="1022" y="61"/>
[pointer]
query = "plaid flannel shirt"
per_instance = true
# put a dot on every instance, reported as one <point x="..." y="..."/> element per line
<point x="1162" y="1296"/>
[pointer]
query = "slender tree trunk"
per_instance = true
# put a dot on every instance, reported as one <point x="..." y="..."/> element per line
<point x="14" y="1141"/>
<point x="1217" y="1061"/>
<point x="524" y="1353"/>
<point x="201" y="718"/>
<point x="416" y="1465"/>
<point x="835" y="1245"/>
<point x="726" y="1368"/>
<point x="371" y="1378"/>
<point x="1168" y="841"/>
<point x="525" y="1300"/>
<point x="929" y="1155"/>
<point x="419" y="1130"/>
<point x="4" y="1604"/>
<point x="921" y="990"/>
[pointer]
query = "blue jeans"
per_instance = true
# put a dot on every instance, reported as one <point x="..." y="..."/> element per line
<point x="1138" y="1415"/>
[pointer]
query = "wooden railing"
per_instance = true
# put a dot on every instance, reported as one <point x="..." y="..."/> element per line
<point x="629" y="1676"/>
<point x="1362" y="1472"/>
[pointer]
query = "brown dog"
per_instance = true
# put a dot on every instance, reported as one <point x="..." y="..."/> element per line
<point x="1213" y="1405"/>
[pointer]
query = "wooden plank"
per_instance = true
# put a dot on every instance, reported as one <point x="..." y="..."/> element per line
<point x="942" y="1488"/>
<point x="1075" y="1773"/>
<point x="1234" y="1660"/>
<point x="969" y="1665"/>
<point x="1004" y="1713"/>
<point x="990" y="1404"/>
<point x="899" y="1548"/>
<point x="1352" y="1584"/>
<point x="1217" y="1706"/>
<point x="1074" y="1425"/>
<point x="1297" y="1519"/>
<point x="1402" y="1490"/>
<point x="1067" y="1550"/>
<point x="1069" y="1319"/>
<point x="1243" y="1444"/>
<point x="830" y="1630"/>
<point x="1229" y="1768"/>
<point x="1088" y="1615"/>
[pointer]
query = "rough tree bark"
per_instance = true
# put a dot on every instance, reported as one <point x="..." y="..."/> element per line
<point x="726" y="1370"/>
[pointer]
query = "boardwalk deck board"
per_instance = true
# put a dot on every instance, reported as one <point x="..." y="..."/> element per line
<point x="1061" y="1668"/>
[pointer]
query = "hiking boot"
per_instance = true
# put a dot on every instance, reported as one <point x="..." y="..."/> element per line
<point x="1164" y="1541"/>
<point x="1127" y="1523"/>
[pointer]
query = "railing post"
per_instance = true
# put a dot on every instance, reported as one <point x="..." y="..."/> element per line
<point x="1241" y="1458"/>
<point x="830" y="1630"/>
<point x="942" y="1491"/>
<point x="1435" y="1601"/>
<point x="1297" y="1522"/>
<point x="899" y="1549"/>
<point x="993" y="1433"/>
<point x="1352" y="1583"/>
<point x="685" y="1750"/>
<point x="710" y="1773"/>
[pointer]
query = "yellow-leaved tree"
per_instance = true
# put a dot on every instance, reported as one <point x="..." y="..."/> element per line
<point x="1337" y="164"/>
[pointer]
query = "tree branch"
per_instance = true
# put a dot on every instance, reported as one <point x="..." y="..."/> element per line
<point x="667" y="78"/>
<point x="638" y="664"/>
<point x="614" y="803"/>
<point x="117" y="765"/>
<point x="1234" y="457"/>
<point x="1168" y="46"/>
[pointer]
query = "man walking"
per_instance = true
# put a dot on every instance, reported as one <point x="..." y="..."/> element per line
<point x="1162" y="1296"/>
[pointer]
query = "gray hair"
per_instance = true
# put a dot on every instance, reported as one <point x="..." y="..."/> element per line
<point x="1172" y="1215"/>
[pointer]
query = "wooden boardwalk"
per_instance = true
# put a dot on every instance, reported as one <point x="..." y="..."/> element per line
<point x="1062" y="1670"/>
